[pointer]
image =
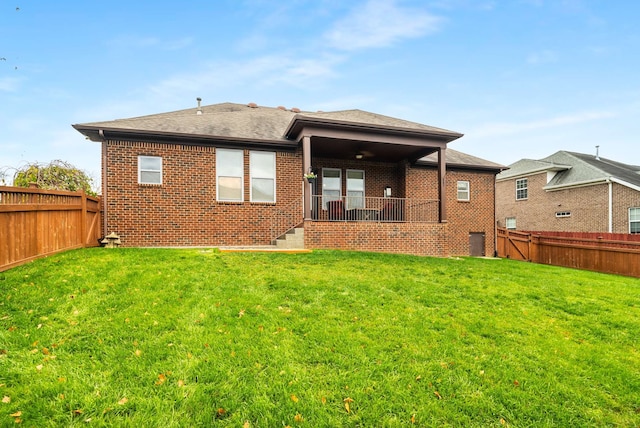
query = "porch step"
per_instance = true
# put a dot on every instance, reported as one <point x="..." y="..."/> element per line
<point x="293" y="239"/>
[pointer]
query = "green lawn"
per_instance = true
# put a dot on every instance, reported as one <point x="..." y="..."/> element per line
<point x="136" y="337"/>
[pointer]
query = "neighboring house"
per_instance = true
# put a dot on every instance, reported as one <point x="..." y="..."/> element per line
<point x="571" y="192"/>
<point x="233" y="175"/>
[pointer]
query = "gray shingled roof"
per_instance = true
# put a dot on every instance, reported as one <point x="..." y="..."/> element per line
<point x="574" y="168"/>
<point x="242" y="121"/>
<point x="459" y="159"/>
<point x="258" y="123"/>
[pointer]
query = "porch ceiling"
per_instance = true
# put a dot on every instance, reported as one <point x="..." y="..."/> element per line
<point x="336" y="148"/>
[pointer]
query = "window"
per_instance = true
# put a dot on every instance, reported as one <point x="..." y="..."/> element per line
<point x="355" y="189"/>
<point x="463" y="190"/>
<point x="634" y="220"/>
<point x="563" y="214"/>
<point x="331" y="185"/>
<point x="263" y="176"/>
<point x="149" y="170"/>
<point x="510" y="223"/>
<point x="229" y="174"/>
<point x="522" y="189"/>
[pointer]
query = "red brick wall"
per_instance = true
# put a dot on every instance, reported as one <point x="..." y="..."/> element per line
<point x="589" y="206"/>
<point x="183" y="210"/>
<point x="425" y="239"/>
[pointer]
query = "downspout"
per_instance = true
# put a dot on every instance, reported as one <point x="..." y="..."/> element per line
<point x="104" y="183"/>
<point x="610" y="205"/>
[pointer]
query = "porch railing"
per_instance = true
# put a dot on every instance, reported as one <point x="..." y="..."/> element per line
<point x="285" y="218"/>
<point x="369" y="209"/>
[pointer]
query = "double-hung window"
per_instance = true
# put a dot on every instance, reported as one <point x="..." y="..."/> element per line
<point x="149" y="170"/>
<point x="355" y="189"/>
<point x="463" y="191"/>
<point x="263" y="176"/>
<point x="634" y="220"/>
<point x="229" y="175"/>
<point x="331" y="185"/>
<point x="522" y="189"/>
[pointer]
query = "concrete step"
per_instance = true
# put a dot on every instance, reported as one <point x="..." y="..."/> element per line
<point x="293" y="239"/>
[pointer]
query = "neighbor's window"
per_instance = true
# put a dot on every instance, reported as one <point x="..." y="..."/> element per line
<point x="634" y="220"/>
<point x="510" y="222"/>
<point x="563" y="214"/>
<point x="463" y="191"/>
<point x="229" y="175"/>
<point x="355" y="189"/>
<point x="522" y="189"/>
<point x="149" y="170"/>
<point x="331" y="185"/>
<point x="263" y="176"/>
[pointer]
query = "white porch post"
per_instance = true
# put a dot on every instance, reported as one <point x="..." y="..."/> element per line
<point x="442" y="191"/>
<point x="306" y="167"/>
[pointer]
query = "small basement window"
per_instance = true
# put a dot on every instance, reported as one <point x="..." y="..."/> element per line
<point x="510" y="223"/>
<point x="563" y="214"/>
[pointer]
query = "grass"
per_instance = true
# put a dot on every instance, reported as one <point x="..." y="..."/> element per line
<point x="142" y="337"/>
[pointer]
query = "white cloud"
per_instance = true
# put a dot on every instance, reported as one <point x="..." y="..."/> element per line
<point x="380" y="23"/>
<point x="505" y="128"/>
<point x="542" y="57"/>
<point x="10" y="84"/>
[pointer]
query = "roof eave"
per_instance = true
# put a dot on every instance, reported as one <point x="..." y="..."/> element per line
<point x="492" y="168"/>
<point x="299" y="122"/>
<point x="99" y="134"/>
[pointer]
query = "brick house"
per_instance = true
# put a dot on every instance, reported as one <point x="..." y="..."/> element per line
<point x="235" y="175"/>
<point x="570" y="192"/>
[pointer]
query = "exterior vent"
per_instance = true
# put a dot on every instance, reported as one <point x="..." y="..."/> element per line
<point x="199" y="111"/>
<point x="283" y="108"/>
<point x="295" y="109"/>
<point x="252" y="105"/>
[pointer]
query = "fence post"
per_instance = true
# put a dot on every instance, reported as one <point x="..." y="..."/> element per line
<point x="83" y="218"/>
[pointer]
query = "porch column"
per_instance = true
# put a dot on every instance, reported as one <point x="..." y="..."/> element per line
<point x="306" y="166"/>
<point x="442" y="191"/>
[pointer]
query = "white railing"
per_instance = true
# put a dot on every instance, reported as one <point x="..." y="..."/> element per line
<point x="368" y="209"/>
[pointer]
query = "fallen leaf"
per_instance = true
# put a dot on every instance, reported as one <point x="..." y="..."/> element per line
<point x="346" y="404"/>
<point x="123" y="400"/>
<point x="324" y="400"/>
<point x="6" y="399"/>
<point x="298" y="418"/>
<point x="294" y="398"/>
<point x="161" y="379"/>
<point x="246" y="424"/>
<point x="418" y="378"/>
<point x="39" y="367"/>
<point x="221" y="413"/>
<point x="438" y="395"/>
<point x="241" y="313"/>
<point x="516" y="383"/>
<point x="45" y="351"/>
<point x="180" y="383"/>
<point x="78" y="412"/>
<point x="137" y="352"/>
<point x="413" y="419"/>
<point x="502" y="421"/>
<point x="16" y="414"/>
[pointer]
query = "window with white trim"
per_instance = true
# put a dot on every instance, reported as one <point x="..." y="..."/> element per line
<point x="463" y="191"/>
<point x="522" y="189"/>
<point x="149" y="170"/>
<point x="355" y="189"/>
<point x="229" y="175"/>
<point x="331" y="185"/>
<point x="263" y="176"/>
<point x="563" y="214"/>
<point x="510" y="223"/>
<point x="634" y="220"/>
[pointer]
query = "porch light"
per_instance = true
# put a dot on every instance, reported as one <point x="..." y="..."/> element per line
<point x="359" y="156"/>
<point x="387" y="192"/>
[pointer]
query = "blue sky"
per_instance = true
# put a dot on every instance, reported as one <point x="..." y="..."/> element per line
<point x="520" y="78"/>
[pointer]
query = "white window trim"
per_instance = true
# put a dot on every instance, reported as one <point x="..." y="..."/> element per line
<point x="252" y="176"/>
<point x="526" y="180"/>
<point x="364" y="189"/>
<point x="140" y="170"/>
<point x="218" y="177"/>
<point x="506" y="223"/>
<point x="635" y="221"/>
<point x="563" y="214"/>
<point x="467" y="191"/>
<point x="324" y="200"/>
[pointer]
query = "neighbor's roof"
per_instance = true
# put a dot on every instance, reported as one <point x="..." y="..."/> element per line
<point x="251" y="122"/>
<point x="574" y="169"/>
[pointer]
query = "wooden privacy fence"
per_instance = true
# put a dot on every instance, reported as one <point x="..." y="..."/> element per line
<point x="608" y="253"/>
<point x="37" y="222"/>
